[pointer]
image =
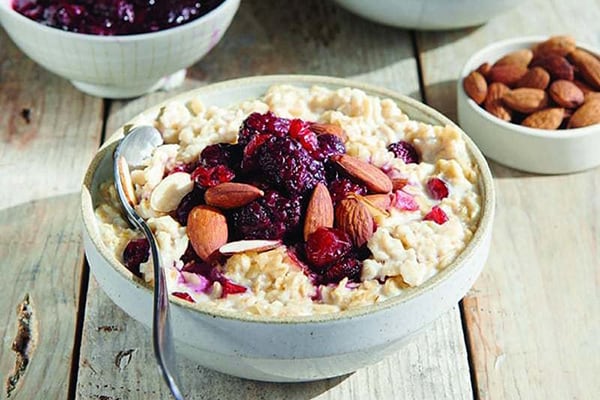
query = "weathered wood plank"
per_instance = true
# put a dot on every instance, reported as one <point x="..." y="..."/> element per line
<point x="48" y="134"/>
<point x="532" y="316"/>
<point x="321" y="39"/>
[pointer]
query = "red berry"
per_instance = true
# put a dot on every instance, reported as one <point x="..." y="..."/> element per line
<point x="404" y="151"/>
<point x="249" y="160"/>
<point x="300" y="130"/>
<point x="437" y="188"/>
<point x="327" y="245"/>
<point x="347" y="268"/>
<point x="436" y="215"/>
<point x="230" y="287"/>
<point x="209" y="177"/>
<point x="136" y="252"/>
<point x="404" y="201"/>
<point x="184" y="296"/>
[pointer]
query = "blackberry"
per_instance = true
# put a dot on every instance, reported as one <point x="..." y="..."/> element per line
<point x="341" y="187"/>
<point x="136" y="252"/>
<point x="328" y="145"/>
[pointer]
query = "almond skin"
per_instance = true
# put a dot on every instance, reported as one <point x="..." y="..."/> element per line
<point x="558" y="67"/>
<point x="526" y="100"/>
<point x="586" y="115"/>
<point x="493" y="103"/>
<point x="319" y="212"/>
<point x="207" y="230"/>
<point x="383" y="201"/>
<point x="475" y="86"/>
<point x="585" y="88"/>
<point x="230" y="195"/>
<point x="399" y="183"/>
<point x="354" y="218"/>
<point x="328" y="129"/>
<point x="588" y="66"/>
<point x="550" y="118"/>
<point x="559" y="45"/>
<point x="535" y="78"/>
<point x="518" y="57"/>
<point x="484" y="69"/>
<point x="372" y="177"/>
<point x="589" y="96"/>
<point x="508" y="74"/>
<point x="565" y="93"/>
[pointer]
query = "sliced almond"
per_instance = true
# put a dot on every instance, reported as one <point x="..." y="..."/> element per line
<point x="329" y="129"/>
<point x="372" y="177"/>
<point x="550" y="119"/>
<point x="125" y="177"/>
<point x="167" y="195"/>
<point x="207" y="230"/>
<point x="243" y="246"/>
<point x="354" y="218"/>
<point x="520" y="57"/>
<point x="526" y="100"/>
<point x="230" y="195"/>
<point x="319" y="212"/>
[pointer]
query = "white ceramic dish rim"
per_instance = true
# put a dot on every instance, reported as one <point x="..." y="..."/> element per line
<point x="559" y="134"/>
<point x="485" y="221"/>
<point x="7" y="4"/>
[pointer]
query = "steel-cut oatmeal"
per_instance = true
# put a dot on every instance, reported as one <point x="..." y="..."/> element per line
<point x="304" y="201"/>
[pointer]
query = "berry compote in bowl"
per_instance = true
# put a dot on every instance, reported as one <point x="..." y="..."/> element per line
<point x="117" y="49"/>
<point x="308" y="226"/>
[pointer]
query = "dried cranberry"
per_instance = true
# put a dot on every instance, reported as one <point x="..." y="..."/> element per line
<point x="231" y="288"/>
<point x="136" y="252"/>
<point x="184" y="296"/>
<point x="326" y="246"/>
<point x="189" y="201"/>
<point x="329" y="145"/>
<point x="405" y="151"/>
<point x="404" y="201"/>
<point x="286" y="164"/>
<point x="437" y="188"/>
<point x="209" y="177"/>
<point x="436" y="215"/>
<point x="182" y="167"/>
<point x="300" y="130"/>
<point x="348" y="267"/>
<point x="340" y="188"/>
<point x="249" y="160"/>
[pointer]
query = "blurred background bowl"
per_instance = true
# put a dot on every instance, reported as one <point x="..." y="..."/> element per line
<point x="428" y="14"/>
<point x="118" y="66"/>
<point x="527" y="149"/>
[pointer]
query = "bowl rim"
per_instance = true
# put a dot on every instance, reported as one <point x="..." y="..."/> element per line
<point x="557" y="134"/>
<point x="212" y="14"/>
<point x="485" y="220"/>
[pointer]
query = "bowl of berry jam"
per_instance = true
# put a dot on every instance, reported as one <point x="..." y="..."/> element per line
<point x="308" y="226"/>
<point x="117" y="49"/>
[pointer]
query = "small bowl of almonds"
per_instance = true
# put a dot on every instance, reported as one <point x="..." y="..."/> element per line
<point x="534" y="103"/>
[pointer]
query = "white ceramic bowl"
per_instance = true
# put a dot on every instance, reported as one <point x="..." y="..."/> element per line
<point x="428" y="14"/>
<point x="290" y="348"/>
<point x="528" y="149"/>
<point x="118" y="66"/>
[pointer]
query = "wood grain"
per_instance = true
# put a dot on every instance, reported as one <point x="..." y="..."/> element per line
<point x="532" y="317"/>
<point x="48" y="134"/>
<point x="321" y="39"/>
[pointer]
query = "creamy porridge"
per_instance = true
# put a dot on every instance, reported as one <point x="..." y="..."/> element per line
<point x="327" y="200"/>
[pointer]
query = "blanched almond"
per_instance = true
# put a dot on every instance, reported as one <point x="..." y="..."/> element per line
<point x="167" y="195"/>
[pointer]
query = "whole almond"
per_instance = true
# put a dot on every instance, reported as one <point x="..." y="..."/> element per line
<point x="588" y="66"/>
<point x="585" y="88"/>
<point x="484" y="69"/>
<point x="329" y="129"/>
<point x="228" y="195"/>
<point x="526" y="100"/>
<point x="558" y="67"/>
<point x="319" y="212"/>
<point x="518" y="57"/>
<point x="399" y="183"/>
<point x="354" y="218"/>
<point x="207" y="230"/>
<point x="589" y="96"/>
<point x="559" y="45"/>
<point x="536" y="78"/>
<point x="372" y="177"/>
<point x="508" y="74"/>
<point x="586" y="115"/>
<point x="475" y="86"/>
<point x="383" y="201"/>
<point x="493" y="103"/>
<point x="565" y="93"/>
<point x="550" y="118"/>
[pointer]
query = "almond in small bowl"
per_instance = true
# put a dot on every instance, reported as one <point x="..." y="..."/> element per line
<point x="543" y="119"/>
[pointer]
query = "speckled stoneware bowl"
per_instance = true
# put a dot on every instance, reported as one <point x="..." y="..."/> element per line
<point x="118" y="66"/>
<point x="290" y="349"/>
<point x="534" y="150"/>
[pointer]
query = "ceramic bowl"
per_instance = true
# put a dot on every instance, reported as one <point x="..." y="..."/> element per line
<point x="289" y="349"/>
<point x="527" y="149"/>
<point x="118" y="66"/>
<point x="428" y="14"/>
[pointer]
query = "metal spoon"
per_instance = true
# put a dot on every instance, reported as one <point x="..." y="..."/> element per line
<point x="131" y="151"/>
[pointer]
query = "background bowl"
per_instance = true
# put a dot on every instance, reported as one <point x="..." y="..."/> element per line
<point x="428" y="14"/>
<point x="118" y="66"/>
<point x="289" y="349"/>
<point x="528" y="149"/>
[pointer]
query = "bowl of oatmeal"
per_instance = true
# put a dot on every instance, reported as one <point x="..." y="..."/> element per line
<point x="309" y="226"/>
<point x="117" y="49"/>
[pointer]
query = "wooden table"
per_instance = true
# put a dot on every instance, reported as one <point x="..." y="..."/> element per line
<point x="529" y="328"/>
